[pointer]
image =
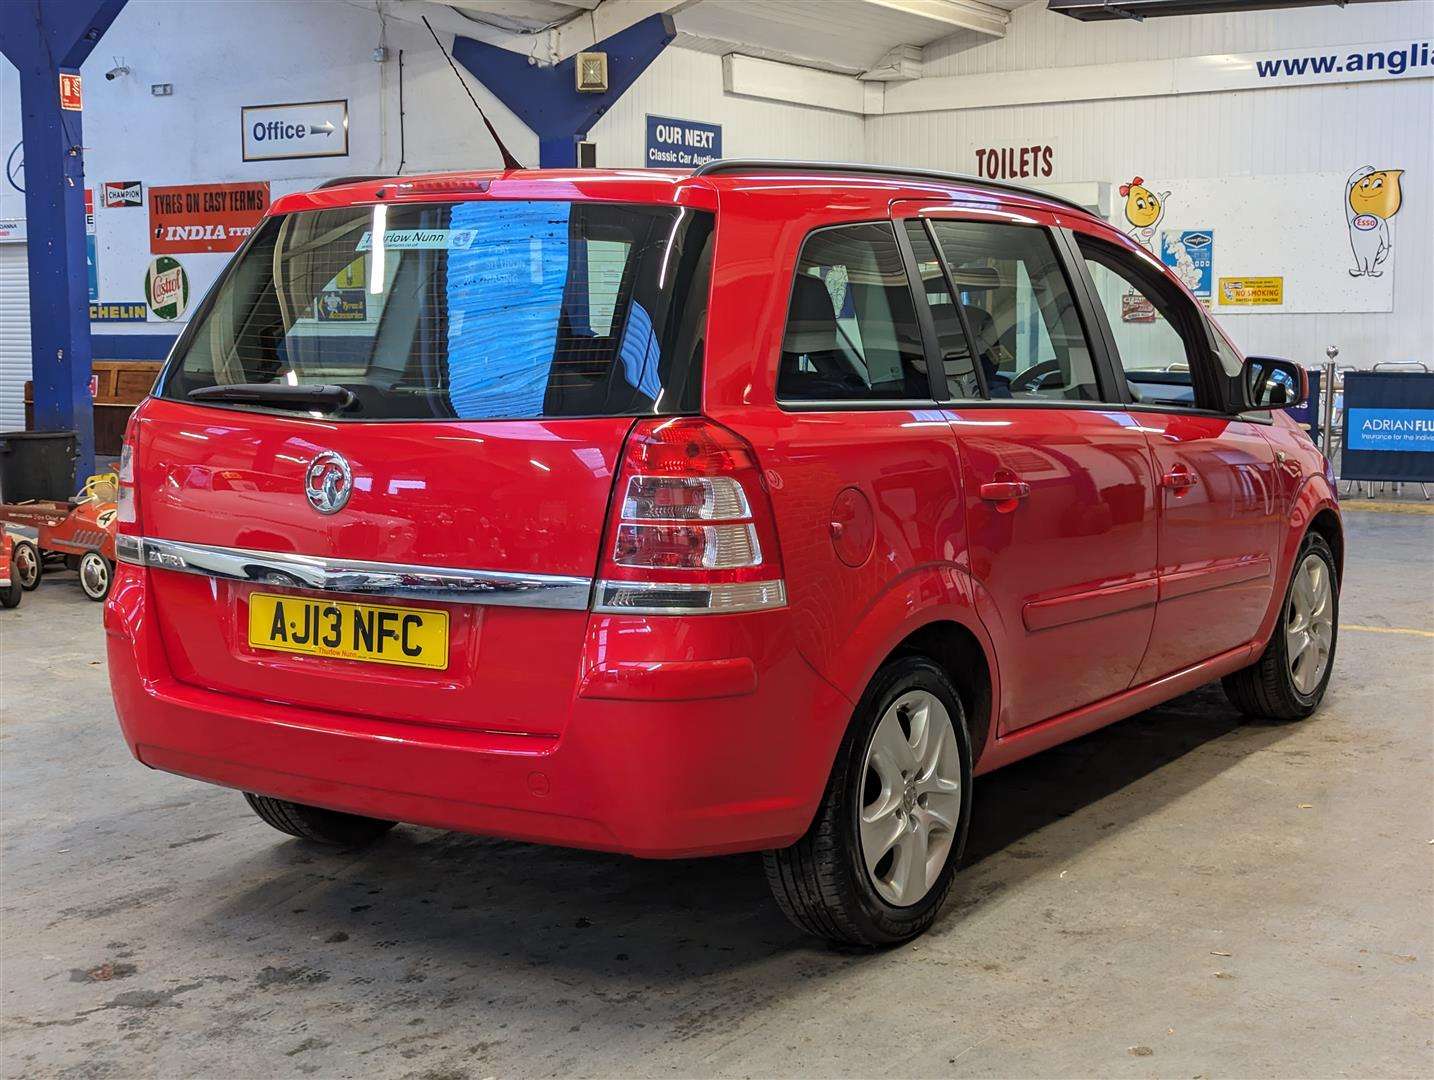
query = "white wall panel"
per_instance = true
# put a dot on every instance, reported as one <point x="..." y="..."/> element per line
<point x="222" y="56"/>
<point x="688" y="85"/>
<point x="1266" y="132"/>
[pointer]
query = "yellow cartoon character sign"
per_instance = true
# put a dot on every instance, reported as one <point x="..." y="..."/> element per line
<point x="1371" y="198"/>
<point x="1143" y="209"/>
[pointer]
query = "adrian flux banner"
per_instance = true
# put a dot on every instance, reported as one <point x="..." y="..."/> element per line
<point x="1388" y="427"/>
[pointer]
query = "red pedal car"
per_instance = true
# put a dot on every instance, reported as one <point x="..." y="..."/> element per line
<point x="10" y="591"/>
<point x="77" y="535"/>
<point x="758" y="508"/>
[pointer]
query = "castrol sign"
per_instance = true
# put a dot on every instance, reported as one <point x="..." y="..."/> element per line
<point x="166" y="288"/>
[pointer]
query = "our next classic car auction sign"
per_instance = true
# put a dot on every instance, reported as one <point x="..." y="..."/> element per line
<point x="204" y="217"/>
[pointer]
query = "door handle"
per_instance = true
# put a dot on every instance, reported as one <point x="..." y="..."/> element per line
<point x="1179" y="479"/>
<point x="1005" y="490"/>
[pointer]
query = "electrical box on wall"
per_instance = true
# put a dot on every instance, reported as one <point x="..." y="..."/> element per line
<point x="587" y="155"/>
<point x="591" y="72"/>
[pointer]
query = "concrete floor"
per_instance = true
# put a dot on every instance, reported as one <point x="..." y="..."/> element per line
<point x="1178" y="895"/>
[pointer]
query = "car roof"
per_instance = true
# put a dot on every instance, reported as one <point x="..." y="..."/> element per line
<point x="696" y="188"/>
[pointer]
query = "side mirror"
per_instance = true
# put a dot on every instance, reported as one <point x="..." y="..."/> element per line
<point x="1267" y="382"/>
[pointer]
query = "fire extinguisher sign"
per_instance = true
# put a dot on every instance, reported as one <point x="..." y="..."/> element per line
<point x="70" y="97"/>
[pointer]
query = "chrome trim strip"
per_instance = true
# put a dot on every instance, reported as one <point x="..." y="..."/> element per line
<point x="402" y="581"/>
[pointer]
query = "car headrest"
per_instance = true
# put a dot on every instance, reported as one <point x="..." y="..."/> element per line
<point x="812" y="324"/>
<point x="983" y="326"/>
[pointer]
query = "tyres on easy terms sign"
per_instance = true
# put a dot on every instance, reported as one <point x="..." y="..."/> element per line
<point x="300" y="129"/>
<point x="681" y="144"/>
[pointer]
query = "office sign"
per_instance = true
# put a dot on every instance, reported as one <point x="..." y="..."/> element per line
<point x="204" y="217"/>
<point x="681" y="144"/>
<point x="1388" y="427"/>
<point x="302" y="129"/>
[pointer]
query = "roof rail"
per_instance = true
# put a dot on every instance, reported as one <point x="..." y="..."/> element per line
<point x="738" y="165"/>
<point x="337" y="181"/>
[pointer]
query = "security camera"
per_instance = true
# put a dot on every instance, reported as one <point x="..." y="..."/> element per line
<point x="115" y="72"/>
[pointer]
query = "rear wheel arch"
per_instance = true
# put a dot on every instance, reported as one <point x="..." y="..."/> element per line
<point x="1328" y="525"/>
<point x="957" y="650"/>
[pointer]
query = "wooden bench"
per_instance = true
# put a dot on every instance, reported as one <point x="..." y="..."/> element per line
<point x="122" y="384"/>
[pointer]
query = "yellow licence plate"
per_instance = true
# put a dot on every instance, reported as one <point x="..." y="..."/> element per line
<point x="413" y="637"/>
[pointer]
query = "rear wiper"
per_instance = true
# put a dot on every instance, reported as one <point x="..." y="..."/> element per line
<point x="325" y="396"/>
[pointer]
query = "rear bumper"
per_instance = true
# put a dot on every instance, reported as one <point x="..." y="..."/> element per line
<point x="658" y="757"/>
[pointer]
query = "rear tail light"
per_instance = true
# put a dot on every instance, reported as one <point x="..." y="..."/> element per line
<point x="127" y="543"/>
<point x="693" y="529"/>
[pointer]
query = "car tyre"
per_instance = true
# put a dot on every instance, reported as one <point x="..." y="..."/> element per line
<point x="96" y="575"/>
<point x="1280" y="685"/>
<point x="10" y="595"/>
<point x="825" y="883"/>
<point x="317" y="824"/>
<point x="25" y="564"/>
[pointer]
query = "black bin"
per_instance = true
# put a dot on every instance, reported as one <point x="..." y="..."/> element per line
<point x="37" y="465"/>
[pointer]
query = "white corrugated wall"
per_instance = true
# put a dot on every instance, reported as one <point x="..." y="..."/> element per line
<point x="14" y="335"/>
<point x="1263" y="132"/>
<point x="687" y="84"/>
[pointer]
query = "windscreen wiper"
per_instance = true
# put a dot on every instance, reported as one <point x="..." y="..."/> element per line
<point x="325" y="396"/>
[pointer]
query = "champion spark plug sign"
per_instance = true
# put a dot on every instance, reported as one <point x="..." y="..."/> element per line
<point x="204" y="217"/>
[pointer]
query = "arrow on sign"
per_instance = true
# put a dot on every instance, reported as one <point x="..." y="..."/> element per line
<point x="326" y="128"/>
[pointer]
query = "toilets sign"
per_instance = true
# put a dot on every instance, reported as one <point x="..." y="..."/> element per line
<point x="681" y="144"/>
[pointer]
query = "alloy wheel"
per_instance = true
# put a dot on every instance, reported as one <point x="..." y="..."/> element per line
<point x="1309" y="624"/>
<point x="911" y="798"/>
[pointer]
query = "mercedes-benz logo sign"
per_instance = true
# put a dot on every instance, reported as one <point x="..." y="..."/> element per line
<point x="328" y="481"/>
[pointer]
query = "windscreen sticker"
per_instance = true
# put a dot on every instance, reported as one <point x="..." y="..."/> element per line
<point x="413" y="239"/>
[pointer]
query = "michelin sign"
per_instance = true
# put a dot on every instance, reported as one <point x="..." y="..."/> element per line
<point x="681" y="144"/>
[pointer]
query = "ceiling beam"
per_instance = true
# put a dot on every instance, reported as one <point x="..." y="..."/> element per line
<point x="956" y="14"/>
<point x="1139" y="10"/>
<point x="602" y="22"/>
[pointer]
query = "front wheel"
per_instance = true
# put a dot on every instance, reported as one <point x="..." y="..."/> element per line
<point x="25" y="564"/>
<point x="95" y="575"/>
<point x="1288" y="681"/>
<point x="11" y="594"/>
<point x="878" y="860"/>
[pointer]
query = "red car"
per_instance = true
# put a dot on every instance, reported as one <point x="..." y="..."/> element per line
<point x="753" y="509"/>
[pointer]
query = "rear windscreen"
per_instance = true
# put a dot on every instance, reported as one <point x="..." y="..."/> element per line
<point x="467" y="310"/>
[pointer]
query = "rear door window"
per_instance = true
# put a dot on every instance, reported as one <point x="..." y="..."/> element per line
<point x="851" y="331"/>
<point x="1025" y="325"/>
<point x="482" y="309"/>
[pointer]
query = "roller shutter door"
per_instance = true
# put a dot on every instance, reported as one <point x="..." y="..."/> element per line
<point x="14" y="335"/>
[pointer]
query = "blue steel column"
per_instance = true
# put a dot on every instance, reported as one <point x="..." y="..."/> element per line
<point x="44" y="38"/>
<point x="547" y="99"/>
